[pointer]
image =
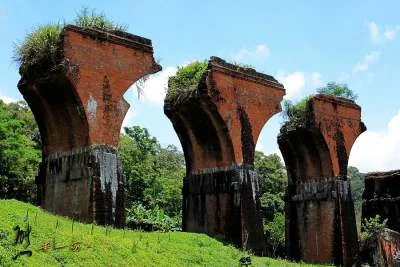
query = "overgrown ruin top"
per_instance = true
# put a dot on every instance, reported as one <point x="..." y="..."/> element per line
<point x="325" y="137"/>
<point x="306" y="118"/>
<point x="220" y="65"/>
<point x="79" y="101"/>
<point x="219" y="122"/>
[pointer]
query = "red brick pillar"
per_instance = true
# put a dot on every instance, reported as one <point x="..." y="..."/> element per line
<point x="320" y="219"/>
<point x="79" y="108"/>
<point x="218" y="126"/>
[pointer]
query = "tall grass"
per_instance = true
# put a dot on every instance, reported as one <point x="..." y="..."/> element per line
<point x="87" y="18"/>
<point x="38" y="51"/>
<point x="54" y="243"/>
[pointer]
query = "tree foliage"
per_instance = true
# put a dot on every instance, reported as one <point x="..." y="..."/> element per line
<point x="20" y="152"/>
<point x="154" y="174"/>
<point x="371" y="226"/>
<point x="338" y="89"/>
<point x="276" y="232"/>
<point x="273" y="182"/>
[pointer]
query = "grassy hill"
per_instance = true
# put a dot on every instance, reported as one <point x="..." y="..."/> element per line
<point x="58" y="241"/>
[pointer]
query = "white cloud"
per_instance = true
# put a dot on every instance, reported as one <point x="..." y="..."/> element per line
<point x="391" y="33"/>
<point x="366" y="61"/>
<point x="259" y="51"/>
<point x="377" y="37"/>
<point x="294" y="82"/>
<point x="154" y="89"/>
<point x="259" y="146"/>
<point x="374" y="32"/>
<point x="316" y="79"/>
<point x="7" y="99"/>
<point x="378" y="151"/>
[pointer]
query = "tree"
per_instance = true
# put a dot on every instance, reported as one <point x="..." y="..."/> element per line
<point x="20" y="152"/>
<point x="337" y="89"/>
<point x="273" y="182"/>
<point x="357" y="188"/>
<point x="276" y="233"/>
<point x="154" y="174"/>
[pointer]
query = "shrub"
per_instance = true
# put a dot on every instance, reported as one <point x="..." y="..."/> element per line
<point x="295" y="114"/>
<point x="186" y="80"/>
<point x="153" y="219"/>
<point x="370" y="227"/>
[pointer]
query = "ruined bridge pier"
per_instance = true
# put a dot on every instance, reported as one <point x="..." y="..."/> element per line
<point x="79" y="108"/>
<point x="218" y="126"/>
<point x="320" y="218"/>
<point x="382" y="197"/>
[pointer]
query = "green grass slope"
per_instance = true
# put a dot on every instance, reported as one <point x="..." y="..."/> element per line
<point x="58" y="241"/>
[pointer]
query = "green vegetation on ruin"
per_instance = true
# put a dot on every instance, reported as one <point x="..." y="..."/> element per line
<point x="39" y="49"/>
<point x="185" y="81"/>
<point x="295" y="114"/>
<point x="187" y="78"/>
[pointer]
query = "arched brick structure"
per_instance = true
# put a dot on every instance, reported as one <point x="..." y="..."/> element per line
<point x="79" y="108"/>
<point x="218" y="126"/>
<point x="320" y="219"/>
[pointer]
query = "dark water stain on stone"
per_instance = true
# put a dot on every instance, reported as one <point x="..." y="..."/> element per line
<point x="248" y="146"/>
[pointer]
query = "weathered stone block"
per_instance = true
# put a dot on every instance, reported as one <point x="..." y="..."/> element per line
<point x="218" y="126"/>
<point x="78" y="106"/>
<point x="320" y="218"/>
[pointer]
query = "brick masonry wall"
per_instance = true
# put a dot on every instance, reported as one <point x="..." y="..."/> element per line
<point x="218" y="127"/>
<point x="79" y="108"/>
<point x="320" y="218"/>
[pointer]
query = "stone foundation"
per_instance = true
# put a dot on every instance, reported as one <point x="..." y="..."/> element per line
<point x="320" y="222"/>
<point x="218" y="125"/>
<point x="86" y="184"/>
<point x="224" y="202"/>
<point x="320" y="217"/>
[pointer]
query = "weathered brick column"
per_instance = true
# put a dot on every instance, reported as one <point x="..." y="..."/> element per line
<point x="320" y="218"/>
<point x="79" y="108"/>
<point x="218" y="126"/>
<point x="382" y="197"/>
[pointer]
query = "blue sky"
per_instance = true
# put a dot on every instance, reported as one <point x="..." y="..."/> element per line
<point x="304" y="45"/>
